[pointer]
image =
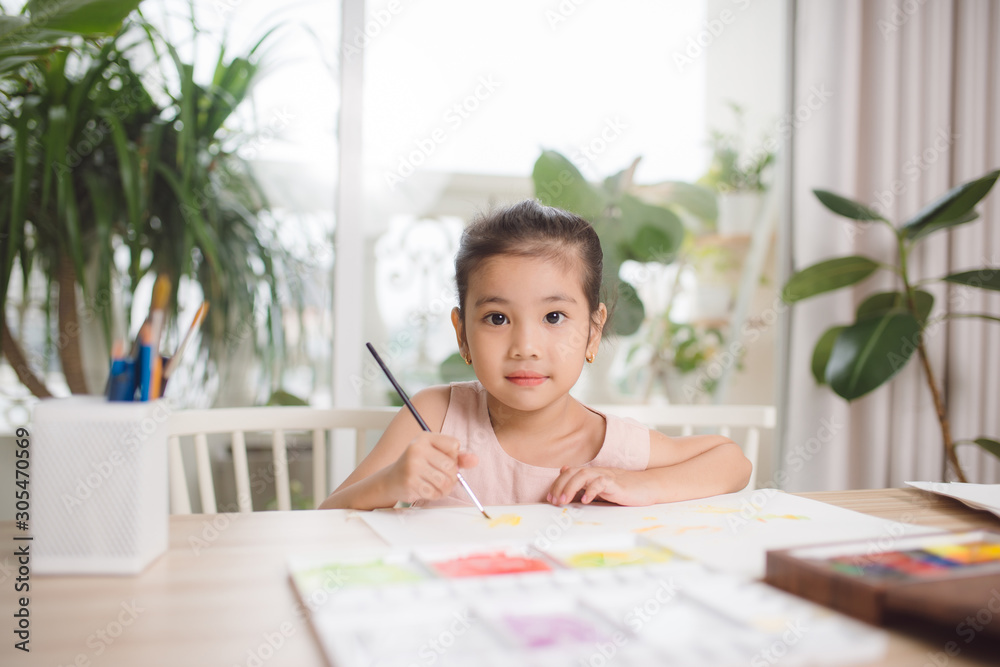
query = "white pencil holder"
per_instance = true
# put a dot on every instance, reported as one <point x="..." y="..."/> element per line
<point x="99" y="480"/>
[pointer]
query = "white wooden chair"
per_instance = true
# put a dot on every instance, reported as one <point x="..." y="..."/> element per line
<point x="723" y="418"/>
<point x="236" y="422"/>
<point x="277" y="420"/>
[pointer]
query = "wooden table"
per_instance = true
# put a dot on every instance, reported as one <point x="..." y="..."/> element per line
<point x="221" y="595"/>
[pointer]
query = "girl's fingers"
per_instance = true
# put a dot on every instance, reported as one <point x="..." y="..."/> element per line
<point x="594" y="488"/>
<point x="467" y="460"/>
<point x="566" y="486"/>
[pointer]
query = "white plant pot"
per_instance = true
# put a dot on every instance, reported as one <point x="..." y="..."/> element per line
<point x="712" y="302"/>
<point x="738" y="212"/>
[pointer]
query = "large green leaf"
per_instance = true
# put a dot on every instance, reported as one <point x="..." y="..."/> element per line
<point x="952" y="207"/>
<point x="869" y="352"/>
<point x="944" y="224"/>
<point x="986" y="278"/>
<point x="627" y="311"/>
<point x="85" y="17"/>
<point x="827" y="276"/>
<point x="846" y="207"/>
<point x="651" y="233"/>
<point x="821" y="353"/>
<point x="559" y="183"/>
<point x="881" y="303"/>
<point x="990" y="445"/>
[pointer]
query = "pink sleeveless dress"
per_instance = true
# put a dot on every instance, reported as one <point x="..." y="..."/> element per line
<point x="500" y="479"/>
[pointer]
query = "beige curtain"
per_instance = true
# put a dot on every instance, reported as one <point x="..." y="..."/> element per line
<point x="894" y="102"/>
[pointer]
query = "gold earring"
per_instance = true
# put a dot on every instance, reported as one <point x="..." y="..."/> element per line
<point x="590" y="358"/>
<point x="468" y="360"/>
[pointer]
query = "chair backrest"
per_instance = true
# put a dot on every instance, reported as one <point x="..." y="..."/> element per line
<point x="687" y="418"/>
<point x="278" y="421"/>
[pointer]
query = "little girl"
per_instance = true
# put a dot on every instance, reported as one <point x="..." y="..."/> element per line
<point x="528" y="317"/>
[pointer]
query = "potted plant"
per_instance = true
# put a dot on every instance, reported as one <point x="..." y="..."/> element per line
<point x="640" y="223"/>
<point x="739" y="178"/>
<point x="889" y="327"/>
<point x="96" y="155"/>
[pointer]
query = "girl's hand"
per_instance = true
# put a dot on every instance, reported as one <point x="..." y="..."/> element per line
<point x="428" y="468"/>
<point x="622" y="487"/>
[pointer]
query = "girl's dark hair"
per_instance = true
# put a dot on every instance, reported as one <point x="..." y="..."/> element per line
<point x="530" y="229"/>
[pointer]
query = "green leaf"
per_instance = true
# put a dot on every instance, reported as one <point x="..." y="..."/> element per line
<point x="954" y="205"/>
<point x="986" y="278"/>
<point x="881" y="303"/>
<point x="992" y="446"/>
<point x="846" y="207"/>
<point x="821" y="353"/>
<point x="86" y="17"/>
<point x="869" y="352"/>
<point x="559" y="183"/>
<point x="651" y="233"/>
<point x="944" y="224"/>
<point x="282" y="397"/>
<point x="627" y="311"/>
<point x="103" y="222"/>
<point x="826" y="276"/>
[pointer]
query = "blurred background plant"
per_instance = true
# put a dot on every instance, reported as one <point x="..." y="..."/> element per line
<point x="732" y="168"/>
<point x="116" y="165"/>
<point x="652" y="257"/>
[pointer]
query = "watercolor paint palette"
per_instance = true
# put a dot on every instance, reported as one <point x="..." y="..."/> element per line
<point x="489" y="606"/>
<point x="941" y="578"/>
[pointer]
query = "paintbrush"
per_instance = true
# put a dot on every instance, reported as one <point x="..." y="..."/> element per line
<point x="157" y="317"/>
<point x="195" y="323"/>
<point x="420" y="420"/>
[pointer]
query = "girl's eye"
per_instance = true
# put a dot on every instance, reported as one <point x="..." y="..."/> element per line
<point x="496" y="319"/>
<point x="554" y="318"/>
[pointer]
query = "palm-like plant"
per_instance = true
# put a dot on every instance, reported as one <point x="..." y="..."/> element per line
<point x="89" y="159"/>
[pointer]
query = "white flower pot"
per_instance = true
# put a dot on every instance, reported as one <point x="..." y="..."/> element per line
<point x="738" y="211"/>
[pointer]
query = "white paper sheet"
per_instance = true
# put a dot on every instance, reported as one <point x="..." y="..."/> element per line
<point x="978" y="496"/>
<point x="731" y="533"/>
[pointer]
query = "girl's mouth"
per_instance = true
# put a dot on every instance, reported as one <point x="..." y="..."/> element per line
<point x="527" y="378"/>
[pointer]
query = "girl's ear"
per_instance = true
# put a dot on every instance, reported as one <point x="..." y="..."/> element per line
<point x="597" y="329"/>
<point x="456" y="321"/>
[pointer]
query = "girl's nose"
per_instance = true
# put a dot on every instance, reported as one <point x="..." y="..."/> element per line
<point x="524" y="343"/>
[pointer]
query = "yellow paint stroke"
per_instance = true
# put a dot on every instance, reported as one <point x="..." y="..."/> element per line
<point x="647" y="528"/>
<point x="715" y="509"/>
<point x="505" y="520"/>
<point x="764" y="518"/>
<point x="649" y="518"/>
